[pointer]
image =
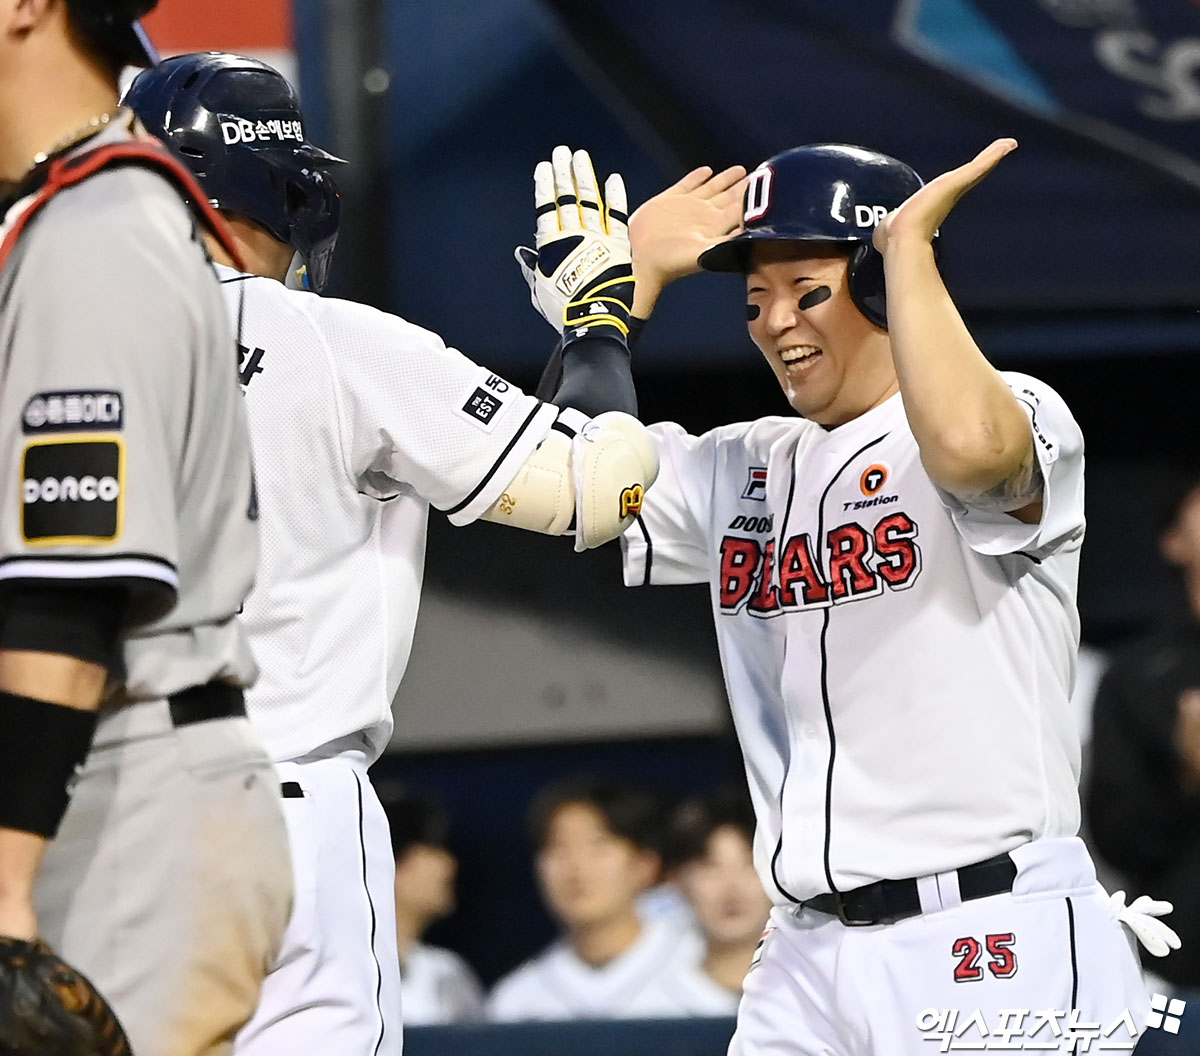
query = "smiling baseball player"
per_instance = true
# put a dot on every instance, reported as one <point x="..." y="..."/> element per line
<point x="360" y="422"/>
<point x="892" y="578"/>
<point x="141" y="833"/>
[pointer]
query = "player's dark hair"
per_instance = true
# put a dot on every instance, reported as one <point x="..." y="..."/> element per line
<point x="104" y="27"/>
<point x="628" y="810"/>
<point x="415" y="820"/>
<point x="698" y="818"/>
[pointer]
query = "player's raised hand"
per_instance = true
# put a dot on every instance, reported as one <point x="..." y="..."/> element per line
<point x="669" y="231"/>
<point x="923" y="213"/>
<point x="579" y="272"/>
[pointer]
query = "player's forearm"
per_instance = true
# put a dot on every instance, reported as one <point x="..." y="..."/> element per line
<point x="20" y="855"/>
<point x="596" y="377"/>
<point x="974" y="438"/>
<point x="47" y="703"/>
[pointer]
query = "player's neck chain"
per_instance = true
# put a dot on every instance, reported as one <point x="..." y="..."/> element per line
<point x="35" y="176"/>
<point x="77" y="136"/>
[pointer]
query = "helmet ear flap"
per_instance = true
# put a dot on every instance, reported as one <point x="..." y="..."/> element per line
<point x="866" y="284"/>
<point x="865" y="280"/>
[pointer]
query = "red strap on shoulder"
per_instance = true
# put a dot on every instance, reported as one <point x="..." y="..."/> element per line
<point x="75" y="168"/>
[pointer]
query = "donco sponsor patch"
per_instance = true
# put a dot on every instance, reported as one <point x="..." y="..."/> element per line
<point x="71" y="491"/>
<point x="60" y="412"/>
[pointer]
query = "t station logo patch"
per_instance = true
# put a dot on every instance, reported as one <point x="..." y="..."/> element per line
<point x="871" y="483"/>
<point x="873" y="479"/>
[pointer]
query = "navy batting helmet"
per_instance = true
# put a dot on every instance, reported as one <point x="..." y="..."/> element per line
<point x="825" y="192"/>
<point x="236" y="123"/>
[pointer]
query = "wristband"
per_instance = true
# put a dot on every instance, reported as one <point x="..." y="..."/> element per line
<point x="42" y="746"/>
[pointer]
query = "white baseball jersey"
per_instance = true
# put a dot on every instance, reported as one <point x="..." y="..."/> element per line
<point x="898" y="666"/>
<point x="359" y="421"/>
<point x="558" y="984"/>
<point x="439" y="987"/>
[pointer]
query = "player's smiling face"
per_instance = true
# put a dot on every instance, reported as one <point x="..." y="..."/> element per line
<point x="589" y="875"/>
<point x="830" y="361"/>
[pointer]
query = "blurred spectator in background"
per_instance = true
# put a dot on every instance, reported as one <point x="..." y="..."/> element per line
<point x="597" y="852"/>
<point x="437" y="985"/>
<point x="1143" y="799"/>
<point x="711" y="854"/>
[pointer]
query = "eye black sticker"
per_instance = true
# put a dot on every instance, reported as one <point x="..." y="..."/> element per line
<point x="814" y="297"/>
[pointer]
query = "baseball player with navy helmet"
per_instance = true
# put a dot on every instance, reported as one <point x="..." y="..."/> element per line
<point x="360" y="422"/>
<point x="141" y="827"/>
<point x="892" y="577"/>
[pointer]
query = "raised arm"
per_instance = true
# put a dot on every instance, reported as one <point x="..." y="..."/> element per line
<point x="975" y="440"/>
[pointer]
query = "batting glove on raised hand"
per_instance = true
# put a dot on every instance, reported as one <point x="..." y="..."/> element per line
<point x="580" y="274"/>
<point x="47" y="1007"/>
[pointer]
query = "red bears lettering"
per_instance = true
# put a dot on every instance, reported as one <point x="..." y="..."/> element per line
<point x="862" y="563"/>
<point x="797" y="565"/>
<point x="739" y="562"/>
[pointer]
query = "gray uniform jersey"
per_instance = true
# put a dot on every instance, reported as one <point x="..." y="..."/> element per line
<point x="124" y="452"/>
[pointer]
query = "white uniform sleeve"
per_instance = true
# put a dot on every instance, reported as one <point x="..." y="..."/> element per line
<point x="420" y="415"/>
<point x="669" y="543"/>
<point x="1058" y="442"/>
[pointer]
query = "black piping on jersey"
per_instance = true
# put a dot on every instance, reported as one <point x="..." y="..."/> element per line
<point x="779" y="549"/>
<point x="90" y="558"/>
<point x="237" y="278"/>
<point x="1074" y="957"/>
<point x="565" y="429"/>
<point x="362" y="843"/>
<point x="824" y="681"/>
<point x="499" y="462"/>
<point x="649" y="550"/>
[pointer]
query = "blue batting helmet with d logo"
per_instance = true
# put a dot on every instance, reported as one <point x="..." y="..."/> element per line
<point x="824" y="192"/>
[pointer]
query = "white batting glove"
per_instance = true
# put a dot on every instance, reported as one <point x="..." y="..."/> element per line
<point x="580" y="273"/>
<point x="1140" y="917"/>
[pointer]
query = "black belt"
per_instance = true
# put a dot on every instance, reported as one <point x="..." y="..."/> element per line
<point x="213" y="700"/>
<point x="886" y="901"/>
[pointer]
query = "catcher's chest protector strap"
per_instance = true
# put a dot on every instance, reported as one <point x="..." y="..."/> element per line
<point x="66" y="172"/>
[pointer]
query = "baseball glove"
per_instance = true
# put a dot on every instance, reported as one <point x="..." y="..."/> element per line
<point x="47" y="1008"/>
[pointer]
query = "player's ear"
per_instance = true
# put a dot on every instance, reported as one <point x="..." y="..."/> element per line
<point x="22" y="16"/>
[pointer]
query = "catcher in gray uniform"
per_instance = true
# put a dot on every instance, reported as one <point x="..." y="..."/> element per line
<point x="141" y="835"/>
